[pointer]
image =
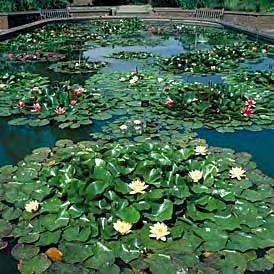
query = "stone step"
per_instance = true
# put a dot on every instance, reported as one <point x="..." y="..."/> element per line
<point x="134" y="9"/>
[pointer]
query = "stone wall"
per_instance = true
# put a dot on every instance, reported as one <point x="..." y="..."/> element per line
<point x="82" y="2"/>
<point x="264" y="22"/>
<point x="4" y="23"/>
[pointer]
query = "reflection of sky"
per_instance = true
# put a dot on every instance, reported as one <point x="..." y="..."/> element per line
<point x="204" y="79"/>
<point x="266" y="63"/>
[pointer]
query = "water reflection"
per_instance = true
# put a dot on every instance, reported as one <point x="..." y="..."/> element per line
<point x="259" y="144"/>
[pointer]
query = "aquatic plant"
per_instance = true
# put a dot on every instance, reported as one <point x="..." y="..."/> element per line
<point x="30" y="100"/>
<point x="77" y="66"/>
<point x="139" y="207"/>
<point x="129" y="55"/>
<point x="37" y="56"/>
<point x="217" y="59"/>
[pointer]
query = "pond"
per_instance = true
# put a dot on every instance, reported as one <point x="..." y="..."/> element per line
<point x="103" y="169"/>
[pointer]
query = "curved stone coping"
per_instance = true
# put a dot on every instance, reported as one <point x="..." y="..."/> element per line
<point x="24" y="28"/>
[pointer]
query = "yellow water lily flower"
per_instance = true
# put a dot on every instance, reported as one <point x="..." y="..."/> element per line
<point x="122" y="227"/>
<point x="138" y="186"/>
<point x="32" y="206"/>
<point x="237" y="172"/>
<point x="159" y="231"/>
<point x="200" y="150"/>
<point x="196" y="175"/>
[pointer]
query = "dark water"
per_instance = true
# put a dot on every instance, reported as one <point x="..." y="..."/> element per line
<point x="17" y="142"/>
<point x="259" y="144"/>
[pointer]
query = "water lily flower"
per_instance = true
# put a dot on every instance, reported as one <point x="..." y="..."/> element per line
<point x="137" y="122"/>
<point x="137" y="186"/>
<point x="213" y="67"/>
<point x="250" y="103"/>
<point x="37" y="107"/>
<point x="122" y="227"/>
<point x="134" y="79"/>
<point x="79" y="91"/>
<point x="247" y="112"/>
<point x="60" y="110"/>
<point x="123" y="127"/>
<point x="32" y="206"/>
<point x="160" y="80"/>
<point x="77" y="65"/>
<point x="237" y="172"/>
<point x="264" y="51"/>
<point x="200" y="150"/>
<point x="159" y="231"/>
<point x="169" y="103"/>
<point x="10" y="56"/>
<point x="195" y="175"/>
<point x="122" y="79"/>
<point x="21" y="105"/>
<point x="73" y="102"/>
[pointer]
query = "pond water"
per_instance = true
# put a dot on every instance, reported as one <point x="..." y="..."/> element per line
<point x="18" y="141"/>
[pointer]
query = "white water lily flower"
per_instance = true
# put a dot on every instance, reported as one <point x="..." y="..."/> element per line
<point x="122" y="79"/>
<point x="264" y="51"/>
<point x="159" y="231"/>
<point x="32" y="206"/>
<point x="123" y="127"/>
<point x="196" y="175"/>
<point x="134" y="79"/>
<point x="138" y="186"/>
<point x="137" y="122"/>
<point x="77" y="64"/>
<point x="160" y="79"/>
<point x="200" y="150"/>
<point x="122" y="227"/>
<point x="237" y="172"/>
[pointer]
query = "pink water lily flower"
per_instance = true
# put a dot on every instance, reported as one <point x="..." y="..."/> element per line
<point x="21" y="105"/>
<point x="79" y="91"/>
<point x="250" y="103"/>
<point x="10" y="56"/>
<point x="247" y="112"/>
<point x="169" y="103"/>
<point x="73" y="102"/>
<point x="37" y="107"/>
<point x="60" y="110"/>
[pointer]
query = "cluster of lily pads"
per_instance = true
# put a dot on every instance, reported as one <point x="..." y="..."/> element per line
<point x="217" y="59"/>
<point x="173" y="104"/>
<point x="29" y="100"/>
<point x="129" y="55"/>
<point x="78" y="66"/>
<point x="37" y="56"/>
<point x="151" y="207"/>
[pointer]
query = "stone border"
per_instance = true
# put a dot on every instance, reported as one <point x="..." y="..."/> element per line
<point x="6" y="34"/>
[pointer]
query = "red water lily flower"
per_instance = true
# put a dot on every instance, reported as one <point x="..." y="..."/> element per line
<point x="79" y="91"/>
<point x="247" y="112"/>
<point x="60" y="110"/>
<point x="21" y="105"/>
<point x="37" y="107"/>
<point x="250" y="103"/>
<point x="169" y="103"/>
<point x="73" y="102"/>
